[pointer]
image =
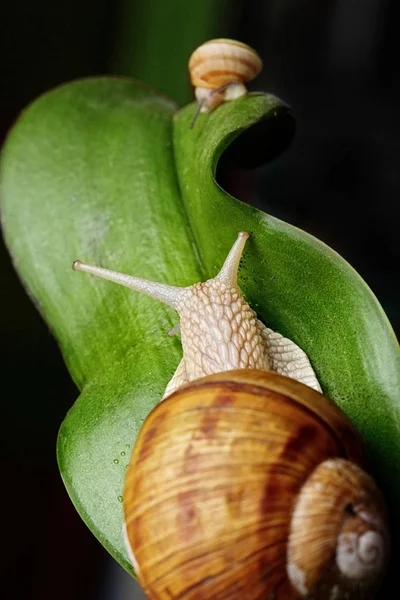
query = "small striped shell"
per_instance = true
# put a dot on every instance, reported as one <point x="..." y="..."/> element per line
<point x="221" y="61"/>
<point x="214" y="479"/>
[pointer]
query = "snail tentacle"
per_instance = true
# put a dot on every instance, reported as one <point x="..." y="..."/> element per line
<point x="176" y="330"/>
<point x="169" y="294"/>
<point x="229" y="271"/>
<point x="201" y="107"/>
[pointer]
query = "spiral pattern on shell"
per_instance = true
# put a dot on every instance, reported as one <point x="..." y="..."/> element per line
<point x="347" y="533"/>
<point x="217" y="471"/>
<point x="360" y="556"/>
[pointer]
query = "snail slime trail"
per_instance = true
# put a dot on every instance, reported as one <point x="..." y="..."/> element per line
<point x="245" y="482"/>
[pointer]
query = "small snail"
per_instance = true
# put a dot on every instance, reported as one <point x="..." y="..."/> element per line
<point x="218" y="71"/>
<point x="245" y="482"/>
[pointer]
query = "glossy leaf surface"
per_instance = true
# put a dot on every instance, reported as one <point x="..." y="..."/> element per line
<point x="107" y="171"/>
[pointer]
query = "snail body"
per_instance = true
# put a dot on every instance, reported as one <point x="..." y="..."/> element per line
<point x="219" y="330"/>
<point x="245" y="482"/>
<point x="219" y="70"/>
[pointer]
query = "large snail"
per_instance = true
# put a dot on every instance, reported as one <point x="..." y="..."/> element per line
<point x="245" y="482"/>
<point x="219" y="70"/>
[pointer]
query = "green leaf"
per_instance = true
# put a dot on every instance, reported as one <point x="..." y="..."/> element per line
<point x="105" y="170"/>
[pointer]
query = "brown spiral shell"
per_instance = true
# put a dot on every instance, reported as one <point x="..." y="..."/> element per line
<point x="220" y="61"/>
<point x="214" y="478"/>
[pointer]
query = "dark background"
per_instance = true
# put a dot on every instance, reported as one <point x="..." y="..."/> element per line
<point x="335" y="62"/>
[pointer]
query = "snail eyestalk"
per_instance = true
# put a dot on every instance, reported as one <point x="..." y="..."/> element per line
<point x="229" y="271"/>
<point x="168" y="294"/>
